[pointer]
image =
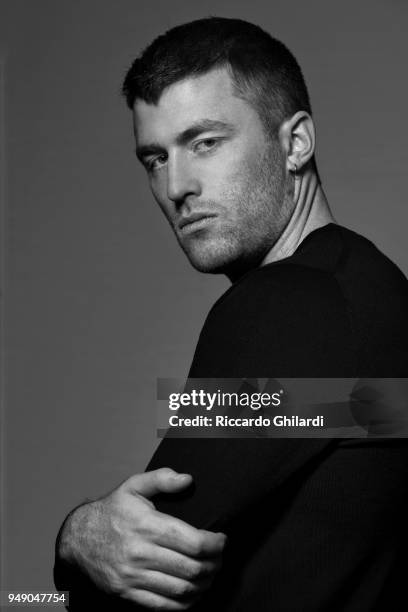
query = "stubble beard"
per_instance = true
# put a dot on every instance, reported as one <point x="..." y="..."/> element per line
<point x="257" y="210"/>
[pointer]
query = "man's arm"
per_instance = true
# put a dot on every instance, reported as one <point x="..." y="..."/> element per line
<point x="261" y="333"/>
<point x="301" y="514"/>
<point x="270" y="325"/>
<point x="121" y="549"/>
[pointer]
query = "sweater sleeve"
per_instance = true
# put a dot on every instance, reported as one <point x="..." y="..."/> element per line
<point x="280" y="325"/>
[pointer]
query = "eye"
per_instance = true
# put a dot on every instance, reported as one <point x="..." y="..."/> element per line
<point x="155" y="163"/>
<point x="206" y="145"/>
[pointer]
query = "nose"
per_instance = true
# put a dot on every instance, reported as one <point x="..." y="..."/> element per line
<point x="182" y="180"/>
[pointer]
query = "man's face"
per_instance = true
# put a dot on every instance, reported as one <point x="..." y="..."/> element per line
<point x="219" y="179"/>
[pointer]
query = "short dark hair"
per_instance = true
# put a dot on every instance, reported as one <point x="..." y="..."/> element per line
<point x="264" y="72"/>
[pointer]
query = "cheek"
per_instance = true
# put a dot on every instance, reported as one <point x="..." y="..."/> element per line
<point x="242" y="180"/>
<point x="159" y="192"/>
<point x="226" y="175"/>
<point x="247" y="167"/>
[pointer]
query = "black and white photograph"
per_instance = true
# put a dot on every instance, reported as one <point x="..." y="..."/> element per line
<point x="204" y="305"/>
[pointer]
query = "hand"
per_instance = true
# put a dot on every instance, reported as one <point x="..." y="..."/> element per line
<point x="128" y="548"/>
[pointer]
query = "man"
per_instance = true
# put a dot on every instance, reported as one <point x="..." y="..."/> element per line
<point x="223" y="126"/>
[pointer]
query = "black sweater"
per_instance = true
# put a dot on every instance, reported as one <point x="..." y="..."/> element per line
<point x="313" y="524"/>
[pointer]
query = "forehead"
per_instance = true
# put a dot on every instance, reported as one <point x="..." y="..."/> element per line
<point x="209" y="96"/>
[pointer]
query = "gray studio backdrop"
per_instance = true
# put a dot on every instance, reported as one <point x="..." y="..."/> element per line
<point x="99" y="300"/>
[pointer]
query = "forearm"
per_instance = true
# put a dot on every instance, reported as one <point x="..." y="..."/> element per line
<point x="70" y="535"/>
<point x="232" y="475"/>
<point x="69" y="573"/>
<point x="63" y="569"/>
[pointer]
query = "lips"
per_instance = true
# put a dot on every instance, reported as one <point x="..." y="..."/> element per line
<point x="193" y="218"/>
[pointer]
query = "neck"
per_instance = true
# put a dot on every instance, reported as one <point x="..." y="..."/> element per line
<point x="311" y="211"/>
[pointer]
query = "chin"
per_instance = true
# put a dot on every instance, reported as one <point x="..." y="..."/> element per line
<point x="209" y="266"/>
<point x="227" y="257"/>
<point x="210" y="258"/>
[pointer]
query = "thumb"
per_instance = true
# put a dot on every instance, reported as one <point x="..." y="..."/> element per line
<point x="163" y="480"/>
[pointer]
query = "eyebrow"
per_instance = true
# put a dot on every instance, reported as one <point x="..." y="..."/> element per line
<point x="197" y="128"/>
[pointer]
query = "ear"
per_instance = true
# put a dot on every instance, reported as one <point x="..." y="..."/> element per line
<point x="297" y="138"/>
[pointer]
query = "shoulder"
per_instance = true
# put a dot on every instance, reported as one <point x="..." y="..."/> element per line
<point x="279" y="320"/>
<point x="376" y="295"/>
<point x="362" y="258"/>
<point x="278" y="290"/>
<point x="335" y="277"/>
<point x="335" y="306"/>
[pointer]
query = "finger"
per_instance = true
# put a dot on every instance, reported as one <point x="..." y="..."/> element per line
<point x="163" y="480"/>
<point x="170" y="532"/>
<point x="176" y="564"/>
<point x="153" y="601"/>
<point x="170" y="586"/>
